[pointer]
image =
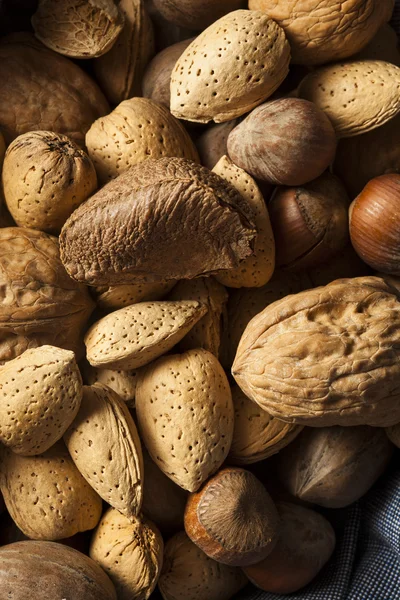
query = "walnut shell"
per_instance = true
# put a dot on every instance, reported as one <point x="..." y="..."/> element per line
<point x="190" y="574"/>
<point x="46" y="495"/>
<point x="320" y="32"/>
<point x="58" y="96"/>
<point x="40" y="303"/>
<point x="137" y="130"/>
<point x="334" y="466"/>
<point x="45" y="178"/>
<point x="119" y="296"/>
<point x="78" y="28"/>
<point x="130" y="552"/>
<point x="180" y="237"/>
<point x="326" y="356"/>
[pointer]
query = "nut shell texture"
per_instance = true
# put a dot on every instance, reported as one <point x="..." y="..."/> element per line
<point x="235" y="64"/>
<point x="357" y="96"/>
<point x="161" y="220"/>
<point x="41" y="395"/>
<point x="122" y="382"/>
<point x="196" y="14"/>
<point x="118" y="296"/>
<point x="104" y="445"/>
<point x="185" y="416"/>
<point x="327" y="356"/>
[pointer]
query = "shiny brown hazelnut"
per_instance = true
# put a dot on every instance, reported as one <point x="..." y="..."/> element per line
<point x="305" y="545"/>
<point x="374" y="226"/>
<point x="310" y="222"/>
<point x="233" y="518"/>
<point x="212" y="144"/>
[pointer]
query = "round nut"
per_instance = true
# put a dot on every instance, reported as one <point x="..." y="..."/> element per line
<point x="196" y="14"/>
<point x="46" y="177"/>
<point x="212" y="144"/>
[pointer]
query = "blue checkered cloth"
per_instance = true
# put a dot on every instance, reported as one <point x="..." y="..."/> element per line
<point x="366" y="562"/>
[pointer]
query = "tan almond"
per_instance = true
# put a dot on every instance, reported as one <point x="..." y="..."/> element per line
<point x="185" y="416"/>
<point x="249" y="46"/>
<point x="256" y="270"/>
<point x="357" y="96"/>
<point x="134" y="336"/>
<point x="104" y="445"/>
<point x="207" y="332"/>
<point x="118" y="296"/>
<point x="122" y="382"/>
<point x="136" y="130"/>
<point x="46" y="496"/>
<point x="41" y="394"/>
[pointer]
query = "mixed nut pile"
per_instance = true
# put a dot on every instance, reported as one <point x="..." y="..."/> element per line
<point x="199" y="270"/>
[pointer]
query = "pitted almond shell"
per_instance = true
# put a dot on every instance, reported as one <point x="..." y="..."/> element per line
<point x="122" y="382"/>
<point x="118" y="296"/>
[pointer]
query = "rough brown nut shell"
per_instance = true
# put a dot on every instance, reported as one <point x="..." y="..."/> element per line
<point x="119" y="296"/>
<point x="29" y="568"/>
<point x="320" y="31"/>
<point x="306" y="543"/>
<point x="334" y="466"/>
<point x="46" y="495"/>
<point x="40" y="304"/>
<point x="256" y="435"/>
<point x="104" y="445"/>
<point x="206" y="333"/>
<point x="196" y="14"/>
<point x="45" y="178"/>
<point x="285" y="142"/>
<point x="185" y="416"/>
<point x="190" y="574"/>
<point x="327" y="356"/>
<point x="233" y="518"/>
<point x="134" y="336"/>
<point x="246" y="44"/>
<point x="122" y="382"/>
<point x="137" y="130"/>
<point x="41" y="395"/>
<point x="78" y="28"/>
<point x="212" y="144"/>
<point x="72" y="100"/>
<point x="120" y="70"/>
<point x="130" y="552"/>
<point x="161" y="220"/>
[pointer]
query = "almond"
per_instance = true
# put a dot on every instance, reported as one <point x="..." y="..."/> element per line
<point x="134" y="336"/>
<point x="256" y="270"/>
<point x="130" y="552"/>
<point x="206" y="333"/>
<point x="118" y="296"/>
<point x="185" y="416"/>
<point x="122" y="382"/>
<point x="138" y="129"/>
<point x="246" y="44"/>
<point x="357" y="96"/>
<point x="41" y="395"/>
<point x="105" y="447"/>
<point x="46" y="495"/>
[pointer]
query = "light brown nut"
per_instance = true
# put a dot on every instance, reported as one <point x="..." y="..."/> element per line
<point x="104" y="445"/>
<point x="167" y="219"/>
<point x="383" y="46"/>
<point x="156" y="83"/>
<point x="306" y="543"/>
<point x="334" y="466"/>
<point x="130" y="552"/>
<point x="212" y="144"/>
<point x="118" y="296"/>
<point x="137" y="130"/>
<point x="185" y="416"/>
<point x="326" y="356"/>
<point x="48" y="567"/>
<point x="196" y="14"/>
<point x="41" y="395"/>
<point x="45" y="178"/>
<point x="393" y="434"/>
<point x="40" y="304"/>
<point x="78" y="28"/>
<point x="246" y="44"/>
<point x="120" y="70"/>
<point x="320" y="31"/>
<point x="122" y="382"/>
<point x="72" y="99"/>
<point x="357" y="96"/>
<point x="256" y="270"/>
<point x="46" y="495"/>
<point x="134" y="336"/>
<point x="206" y="333"/>
<point x="257" y="435"/>
<point x="190" y="574"/>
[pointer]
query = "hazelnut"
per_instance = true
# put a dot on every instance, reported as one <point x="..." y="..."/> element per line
<point x="374" y="229"/>
<point x="233" y="518"/>
<point x="212" y="144"/>
<point x="196" y="14"/>
<point x="310" y="223"/>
